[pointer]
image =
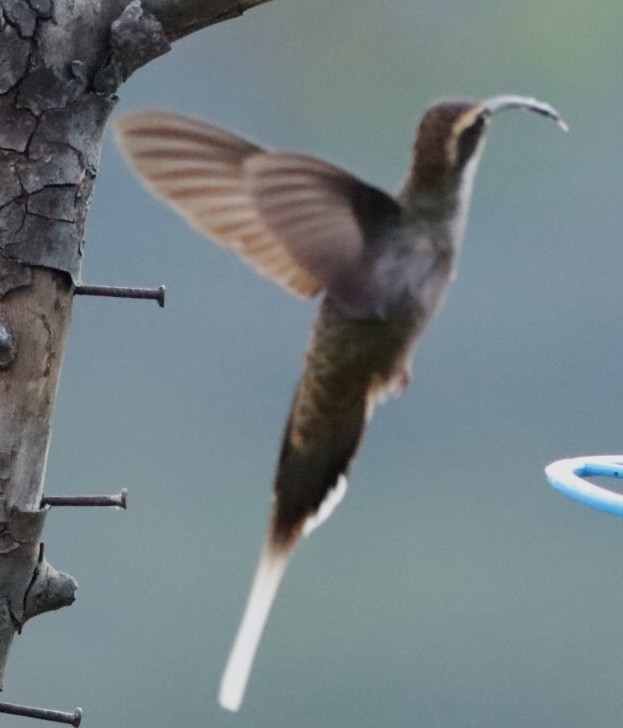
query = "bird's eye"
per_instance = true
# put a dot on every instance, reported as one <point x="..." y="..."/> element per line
<point x="468" y="141"/>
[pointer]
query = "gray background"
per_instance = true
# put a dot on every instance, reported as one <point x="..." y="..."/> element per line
<point x="453" y="588"/>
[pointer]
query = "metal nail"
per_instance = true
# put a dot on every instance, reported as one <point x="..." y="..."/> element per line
<point x="56" y="716"/>
<point x="115" y="501"/>
<point x="154" y="294"/>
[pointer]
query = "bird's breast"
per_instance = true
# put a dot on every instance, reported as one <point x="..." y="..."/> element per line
<point x="411" y="272"/>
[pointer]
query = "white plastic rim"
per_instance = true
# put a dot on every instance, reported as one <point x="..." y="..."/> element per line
<point x="567" y="476"/>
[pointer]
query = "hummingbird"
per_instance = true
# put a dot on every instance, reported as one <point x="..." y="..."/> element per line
<point x="382" y="263"/>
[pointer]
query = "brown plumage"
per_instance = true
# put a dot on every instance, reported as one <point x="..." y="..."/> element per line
<point x="333" y="401"/>
<point x="383" y="264"/>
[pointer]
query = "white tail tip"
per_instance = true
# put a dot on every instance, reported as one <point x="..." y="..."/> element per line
<point x="331" y="501"/>
<point x="270" y="571"/>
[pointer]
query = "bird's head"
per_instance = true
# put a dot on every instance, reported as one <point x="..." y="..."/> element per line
<point x="450" y="139"/>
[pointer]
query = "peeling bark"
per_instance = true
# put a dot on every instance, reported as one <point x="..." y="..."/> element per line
<point x="61" y="63"/>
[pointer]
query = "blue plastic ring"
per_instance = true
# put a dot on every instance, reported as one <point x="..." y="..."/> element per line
<point x="567" y="476"/>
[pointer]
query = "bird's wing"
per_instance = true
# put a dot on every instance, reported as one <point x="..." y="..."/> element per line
<point x="200" y="171"/>
<point x="330" y="221"/>
<point x="302" y="222"/>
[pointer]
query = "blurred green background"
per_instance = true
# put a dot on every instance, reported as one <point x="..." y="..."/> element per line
<point x="453" y="588"/>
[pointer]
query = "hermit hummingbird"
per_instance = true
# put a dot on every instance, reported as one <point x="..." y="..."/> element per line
<point x="382" y="263"/>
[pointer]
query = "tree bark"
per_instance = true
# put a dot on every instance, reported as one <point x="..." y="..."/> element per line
<point x="61" y="63"/>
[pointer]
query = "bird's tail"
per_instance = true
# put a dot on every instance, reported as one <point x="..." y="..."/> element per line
<point x="271" y="568"/>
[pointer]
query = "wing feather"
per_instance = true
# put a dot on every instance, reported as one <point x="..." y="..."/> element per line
<point x="322" y="215"/>
<point x="302" y="222"/>
<point x="199" y="170"/>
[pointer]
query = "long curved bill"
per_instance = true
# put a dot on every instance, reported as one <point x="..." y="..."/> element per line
<point x="499" y="103"/>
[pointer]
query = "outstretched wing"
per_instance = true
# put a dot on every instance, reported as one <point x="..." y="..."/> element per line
<point x="199" y="170"/>
<point x="302" y="222"/>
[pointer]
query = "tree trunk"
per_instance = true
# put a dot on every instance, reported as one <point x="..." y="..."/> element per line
<point x="61" y="63"/>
